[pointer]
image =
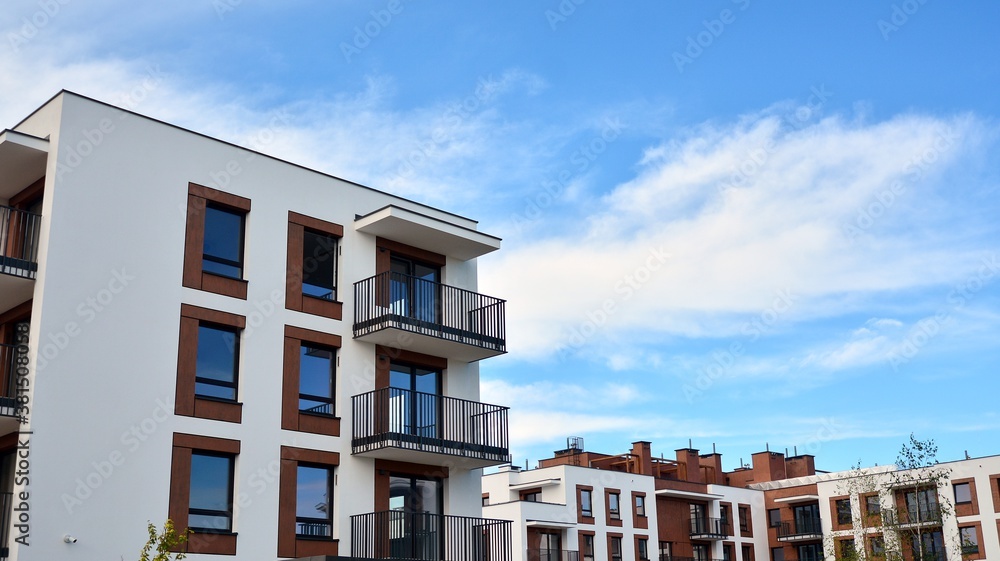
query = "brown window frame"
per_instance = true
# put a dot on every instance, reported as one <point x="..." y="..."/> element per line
<point x="641" y="538"/>
<point x="640" y="520"/>
<point x="186" y="402"/>
<point x="611" y="520"/>
<point x="834" y="519"/>
<point x="199" y="198"/>
<point x="744" y="548"/>
<point x="971" y="507"/>
<point x="580" y="540"/>
<point x="289" y="543"/>
<point x="580" y="516"/>
<point x="184" y="445"/>
<point x="294" y="298"/>
<point x="621" y="546"/>
<point x="746" y="519"/>
<point x="291" y="417"/>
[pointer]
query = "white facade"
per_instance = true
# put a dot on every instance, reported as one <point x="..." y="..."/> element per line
<point x="104" y="324"/>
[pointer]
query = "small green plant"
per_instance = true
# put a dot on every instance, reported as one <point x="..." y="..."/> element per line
<point x="161" y="544"/>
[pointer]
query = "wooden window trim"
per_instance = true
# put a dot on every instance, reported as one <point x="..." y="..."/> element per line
<point x="621" y="540"/>
<point x="748" y="533"/>
<point x="579" y="542"/>
<point x="607" y="507"/>
<point x="186" y="403"/>
<point x="581" y="519"/>
<point x="640" y="521"/>
<point x="291" y="417"/>
<point x="386" y="248"/>
<point x="636" y="547"/>
<point x="730" y="530"/>
<point x="751" y="549"/>
<point x="184" y="445"/>
<point x="995" y="491"/>
<point x="294" y="299"/>
<point x="289" y="544"/>
<point x="194" y="241"/>
<point x="384" y="469"/>
<point x="981" y="554"/>
<point x="971" y="508"/>
<point x="385" y="356"/>
<point x="833" y="513"/>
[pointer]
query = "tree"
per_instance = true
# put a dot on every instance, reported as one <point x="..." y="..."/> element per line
<point x="163" y="543"/>
<point x="901" y="508"/>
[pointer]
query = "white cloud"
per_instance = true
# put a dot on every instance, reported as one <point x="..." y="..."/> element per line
<point x="745" y="211"/>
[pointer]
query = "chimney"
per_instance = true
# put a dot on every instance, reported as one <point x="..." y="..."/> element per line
<point x="800" y="466"/>
<point x="768" y="466"/>
<point x="690" y="464"/>
<point x="644" y="457"/>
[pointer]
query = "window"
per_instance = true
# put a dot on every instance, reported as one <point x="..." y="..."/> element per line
<point x="202" y="490"/>
<point x="843" y="511"/>
<point x="872" y="505"/>
<point x="922" y="505"/>
<point x="306" y="502"/>
<point x="309" y="387"/>
<point x="727" y="552"/>
<point x="486" y="500"/>
<point x="214" y="242"/>
<point x="211" y="494"/>
<point x="664" y="551"/>
<point x="846" y="549"/>
<point x="642" y="548"/>
<point x="640" y="505"/>
<point x="588" y="547"/>
<point x="810" y="552"/>
<point x="877" y="546"/>
<point x="614" y="506"/>
<point x="208" y="364"/>
<point x="316" y="379"/>
<point x="311" y="284"/>
<point x="747" y="551"/>
<point x="586" y="503"/>
<point x="777" y="554"/>
<point x="222" y="252"/>
<point x="724" y="514"/>
<point x="700" y="552"/>
<point x="532" y="497"/>
<point x="969" y="539"/>
<point x="806" y="519"/>
<point x="744" y="514"/>
<point x="963" y="494"/>
<point x="314" y="502"/>
<point x="615" y="543"/>
<point x="217" y="367"/>
<point x="774" y="518"/>
<point x="928" y="545"/>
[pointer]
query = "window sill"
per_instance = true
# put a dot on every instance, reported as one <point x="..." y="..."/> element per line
<point x="218" y="409"/>
<point x="318" y="414"/>
<point x="226" y="286"/>
<point x="315" y="539"/>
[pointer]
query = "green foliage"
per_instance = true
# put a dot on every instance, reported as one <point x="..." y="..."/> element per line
<point x="163" y="543"/>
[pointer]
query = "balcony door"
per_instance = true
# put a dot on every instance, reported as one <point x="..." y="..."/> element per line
<point x="415" y="401"/>
<point x="414" y="289"/>
<point x="699" y="524"/>
<point x="416" y="526"/>
<point x="806" y="519"/>
<point x="550" y="546"/>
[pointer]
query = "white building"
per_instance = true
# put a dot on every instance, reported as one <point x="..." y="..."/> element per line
<point x="280" y="359"/>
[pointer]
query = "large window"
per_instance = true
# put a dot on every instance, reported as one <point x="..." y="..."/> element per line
<point x="872" y="505"/>
<point x="586" y="503"/>
<point x="214" y="242"/>
<point x="314" y="501"/>
<point x="846" y="549"/>
<point x="311" y="283"/>
<point x="843" y="511"/>
<point x="216" y="374"/>
<point x="876" y="544"/>
<point x="932" y="545"/>
<point x="211" y="498"/>
<point x="922" y="505"/>
<point x="319" y="265"/>
<point x="415" y="400"/>
<point x="208" y="364"/>
<point x="222" y="252"/>
<point x="969" y="540"/>
<point x="963" y="493"/>
<point x="806" y="519"/>
<point x="317" y="367"/>
<point x="810" y="552"/>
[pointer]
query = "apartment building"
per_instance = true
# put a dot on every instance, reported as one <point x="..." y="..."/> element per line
<point x="778" y="508"/>
<point x="283" y="361"/>
<point x="627" y="507"/>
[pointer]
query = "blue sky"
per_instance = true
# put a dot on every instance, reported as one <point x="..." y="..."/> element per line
<point x="733" y="222"/>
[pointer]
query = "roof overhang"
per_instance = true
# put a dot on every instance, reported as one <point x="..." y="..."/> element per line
<point x="548" y="524"/>
<point x="798" y="499"/>
<point x="426" y="232"/>
<point x="22" y="161"/>
<point x="535" y="484"/>
<point x="677" y="494"/>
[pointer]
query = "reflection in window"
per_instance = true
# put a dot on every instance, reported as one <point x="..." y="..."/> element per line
<point x="316" y="379"/>
<point x="313" y="502"/>
<point x="319" y="265"/>
<point x="217" y="362"/>
<point x="223" y="247"/>
<point x="210" y="507"/>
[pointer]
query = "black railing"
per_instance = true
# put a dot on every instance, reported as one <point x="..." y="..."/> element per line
<point x="925" y="514"/>
<point x="800" y="529"/>
<point x="397" y="418"/>
<point x="394" y="300"/>
<point x="421" y="536"/>
<point x="678" y="558"/>
<point x="9" y="358"/>
<point x="19" y="230"/>
<point x="6" y="503"/>
<point x="709" y="528"/>
<point x="552" y="555"/>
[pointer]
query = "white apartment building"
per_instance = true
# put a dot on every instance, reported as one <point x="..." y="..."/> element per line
<point x="281" y="360"/>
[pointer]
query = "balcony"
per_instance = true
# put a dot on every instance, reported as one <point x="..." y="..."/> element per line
<point x="407" y="312"/>
<point x="552" y="555"/>
<point x="800" y="530"/>
<point x="397" y="424"/>
<point x="709" y="528"/>
<point x="10" y="409"/>
<point x="912" y="517"/>
<point x="421" y="536"/>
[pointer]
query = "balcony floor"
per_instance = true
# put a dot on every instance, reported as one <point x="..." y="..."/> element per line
<point x="389" y="331"/>
<point x="401" y="451"/>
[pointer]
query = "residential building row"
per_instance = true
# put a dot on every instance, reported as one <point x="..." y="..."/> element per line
<point x="584" y="506"/>
<point x="281" y="360"/>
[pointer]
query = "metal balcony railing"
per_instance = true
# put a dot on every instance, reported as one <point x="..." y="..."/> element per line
<point x="9" y="405"/>
<point x="394" y="300"/>
<point x="19" y="230"/>
<point x="709" y="528"/>
<point x="552" y="555"/>
<point x="421" y="536"/>
<point x="924" y="514"/>
<point x="393" y="417"/>
<point x="800" y="529"/>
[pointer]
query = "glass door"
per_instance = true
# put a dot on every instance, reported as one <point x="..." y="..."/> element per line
<point x="416" y="525"/>
<point x="415" y="400"/>
<point x="414" y="289"/>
